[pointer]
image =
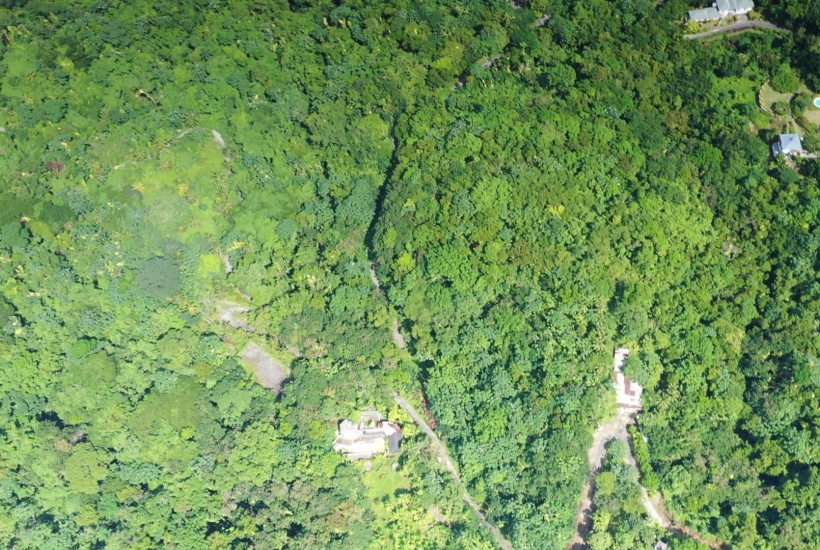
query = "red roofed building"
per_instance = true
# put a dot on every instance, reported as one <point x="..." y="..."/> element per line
<point x="627" y="392"/>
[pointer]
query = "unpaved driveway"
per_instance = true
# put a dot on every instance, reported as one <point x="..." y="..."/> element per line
<point x="227" y="313"/>
<point x="398" y="339"/>
<point x="616" y="429"/>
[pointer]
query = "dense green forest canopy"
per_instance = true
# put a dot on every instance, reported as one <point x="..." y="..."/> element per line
<point x="534" y="184"/>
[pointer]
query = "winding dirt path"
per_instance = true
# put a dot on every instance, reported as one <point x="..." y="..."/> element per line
<point x="216" y="135"/>
<point x="444" y="456"/>
<point x="398" y="339"/>
<point x="616" y="429"/>
<point x="227" y="312"/>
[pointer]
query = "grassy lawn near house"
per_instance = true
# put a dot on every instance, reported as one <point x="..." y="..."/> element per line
<point x="812" y="113"/>
<point x="762" y="120"/>
<point x="769" y="96"/>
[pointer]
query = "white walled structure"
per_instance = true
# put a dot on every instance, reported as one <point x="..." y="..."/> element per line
<point x="627" y="393"/>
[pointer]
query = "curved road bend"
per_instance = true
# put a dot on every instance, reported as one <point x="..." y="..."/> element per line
<point x="615" y="429"/>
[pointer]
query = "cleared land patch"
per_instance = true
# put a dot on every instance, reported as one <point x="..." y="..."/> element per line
<point x="270" y="373"/>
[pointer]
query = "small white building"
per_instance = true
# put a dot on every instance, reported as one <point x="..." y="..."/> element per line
<point x="787" y="144"/>
<point x="627" y="393"/>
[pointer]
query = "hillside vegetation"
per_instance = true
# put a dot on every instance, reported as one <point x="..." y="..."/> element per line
<point x="598" y="183"/>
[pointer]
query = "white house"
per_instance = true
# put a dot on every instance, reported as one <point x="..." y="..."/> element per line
<point x="729" y="8"/>
<point x="721" y="9"/>
<point x="627" y="393"/>
<point x="705" y="14"/>
<point x="358" y="441"/>
<point x="787" y="144"/>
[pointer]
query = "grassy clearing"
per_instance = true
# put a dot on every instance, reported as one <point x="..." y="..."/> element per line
<point x="812" y="114"/>
<point x="743" y="90"/>
<point x="769" y="96"/>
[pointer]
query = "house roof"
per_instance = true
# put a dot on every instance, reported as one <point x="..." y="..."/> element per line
<point x="357" y="442"/>
<point x="790" y="143"/>
<point x="705" y="14"/>
<point x="627" y="392"/>
<point x="734" y="5"/>
<point x="394" y="443"/>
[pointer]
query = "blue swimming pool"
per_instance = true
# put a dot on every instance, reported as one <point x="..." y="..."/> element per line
<point x="817" y="102"/>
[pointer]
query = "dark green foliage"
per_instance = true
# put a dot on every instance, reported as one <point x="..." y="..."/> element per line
<point x="531" y="197"/>
<point x="800" y="103"/>
<point x="159" y="277"/>
<point x="649" y="478"/>
<point x="785" y="80"/>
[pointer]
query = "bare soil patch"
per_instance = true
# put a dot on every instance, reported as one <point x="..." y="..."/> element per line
<point x="270" y="373"/>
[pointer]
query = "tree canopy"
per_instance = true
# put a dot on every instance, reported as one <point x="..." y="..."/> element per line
<point x="520" y="187"/>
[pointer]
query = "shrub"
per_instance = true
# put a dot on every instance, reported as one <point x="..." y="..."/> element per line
<point x="800" y="103"/>
<point x="785" y="80"/>
<point x="780" y="107"/>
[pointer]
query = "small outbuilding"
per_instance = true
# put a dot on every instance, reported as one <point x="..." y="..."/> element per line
<point x="787" y="144"/>
<point x="371" y="436"/>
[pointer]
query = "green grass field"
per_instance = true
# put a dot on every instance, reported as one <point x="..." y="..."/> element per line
<point x="769" y="96"/>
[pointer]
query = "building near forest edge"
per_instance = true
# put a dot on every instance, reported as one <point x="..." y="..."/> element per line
<point x="371" y="436"/>
<point x="721" y="9"/>
<point x="627" y="393"/>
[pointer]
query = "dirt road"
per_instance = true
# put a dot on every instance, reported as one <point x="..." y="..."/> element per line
<point x="444" y="456"/>
<point x="398" y="338"/>
<point x="616" y="429"/>
<point x="739" y="26"/>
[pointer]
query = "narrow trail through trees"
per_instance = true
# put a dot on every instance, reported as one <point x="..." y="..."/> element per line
<point x="438" y="445"/>
<point x="444" y="456"/>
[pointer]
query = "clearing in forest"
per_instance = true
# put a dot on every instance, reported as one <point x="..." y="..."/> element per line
<point x="270" y="373"/>
<point x="769" y="96"/>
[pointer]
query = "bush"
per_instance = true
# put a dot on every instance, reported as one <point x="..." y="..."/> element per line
<point x="649" y="477"/>
<point x="800" y="103"/>
<point x="780" y="107"/>
<point x="811" y="144"/>
<point x="785" y="80"/>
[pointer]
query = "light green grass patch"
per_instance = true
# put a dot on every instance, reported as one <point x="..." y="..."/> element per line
<point x="769" y="96"/>
<point x="743" y="90"/>
<point x="382" y="481"/>
<point x="178" y="185"/>
<point x="209" y="264"/>
<point x="761" y="120"/>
